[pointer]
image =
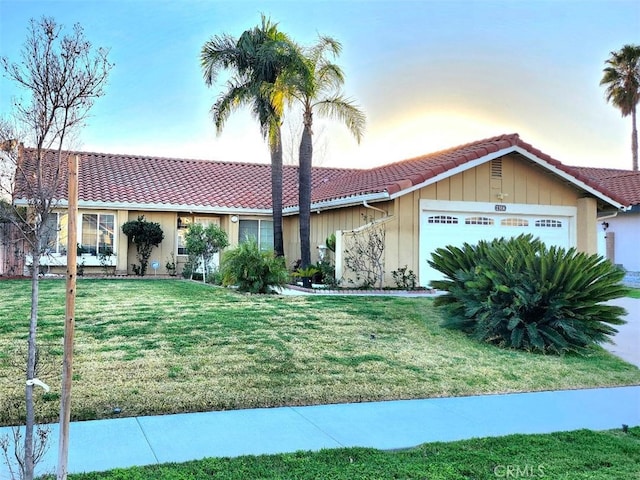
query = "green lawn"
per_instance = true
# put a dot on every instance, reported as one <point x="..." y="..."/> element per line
<point x="583" y="454"/>
<point x="165" y="346"/>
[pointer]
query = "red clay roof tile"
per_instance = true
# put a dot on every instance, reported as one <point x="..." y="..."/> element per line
<point x="625" y="183"/>
<point x="133" y="179"/>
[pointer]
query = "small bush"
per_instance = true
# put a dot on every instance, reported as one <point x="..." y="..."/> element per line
<point x="520" y="294"/>
<point x="327" y="273"/>
<point x="215" y="277"/>
<point x="253" y="270"/>
<point x="404" y="278"/>
<point x="144" y="235"/>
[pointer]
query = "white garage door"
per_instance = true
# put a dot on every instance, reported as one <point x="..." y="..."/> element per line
<point x="467" y="222"/>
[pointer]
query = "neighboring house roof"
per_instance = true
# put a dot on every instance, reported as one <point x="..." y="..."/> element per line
<point x="130" y="181"/>
<point x="626" y="183"/>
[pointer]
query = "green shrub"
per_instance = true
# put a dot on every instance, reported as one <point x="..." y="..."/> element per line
<point x="327" y="273"/>
<point x="404" y="278"/>
<point x="215" y="277"/>
<point x="518" y="293"/>
<point x="144" y="235"/>
<point x="253" y="270"/>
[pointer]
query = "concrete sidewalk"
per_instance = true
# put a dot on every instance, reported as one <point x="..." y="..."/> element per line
<point x="125" y="442"/>
<point x="627" y="341"/>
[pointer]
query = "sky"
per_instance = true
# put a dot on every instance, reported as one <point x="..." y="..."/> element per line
<point x="429" y="75"/>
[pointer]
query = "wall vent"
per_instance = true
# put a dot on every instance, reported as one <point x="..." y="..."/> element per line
<point x="496" y="168"/>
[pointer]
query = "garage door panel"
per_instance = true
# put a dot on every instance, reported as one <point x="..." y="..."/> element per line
<point x="440" y="229"/>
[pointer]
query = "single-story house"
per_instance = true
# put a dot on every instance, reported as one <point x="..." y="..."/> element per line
<point x="499" y="186"/>
<point x="619" y="231"/>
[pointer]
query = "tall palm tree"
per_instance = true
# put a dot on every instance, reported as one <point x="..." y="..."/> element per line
<point x="315" y="85"/>
<point x="256" y="59"/>
<point x="622" y="78"/>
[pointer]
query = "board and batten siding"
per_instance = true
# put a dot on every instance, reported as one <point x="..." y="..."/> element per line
<point x="517" y="181"/>
<point x="161" y="253"/>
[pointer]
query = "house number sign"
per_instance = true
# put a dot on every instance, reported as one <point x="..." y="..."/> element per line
<point x="500" y="208"/>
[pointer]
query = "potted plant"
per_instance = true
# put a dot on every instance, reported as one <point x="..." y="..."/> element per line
<point x="306" y="274"/>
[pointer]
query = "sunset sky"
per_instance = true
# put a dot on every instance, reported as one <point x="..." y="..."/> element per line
<point x="428" y="74"/>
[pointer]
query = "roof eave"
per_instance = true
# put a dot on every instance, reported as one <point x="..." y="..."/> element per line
<point x="157" y="207"/>
<point x="341" y="202"/>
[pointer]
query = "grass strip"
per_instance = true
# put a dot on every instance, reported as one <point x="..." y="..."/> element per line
<point x="576" y="455"/>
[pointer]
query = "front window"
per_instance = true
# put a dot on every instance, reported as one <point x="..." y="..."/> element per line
<point x="259" y="230"/>
<point x="184" y="221"/>
<point x="183" y="225"/>
<point x="97" y="233"/>
<point x="54" y="234"/>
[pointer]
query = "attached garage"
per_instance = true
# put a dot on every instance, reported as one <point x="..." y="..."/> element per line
<point x="445" y="223"/>
<point x="498" y="187"/>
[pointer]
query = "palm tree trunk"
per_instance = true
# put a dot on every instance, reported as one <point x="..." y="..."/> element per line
<point x="276" y="193"/>
<point x="634" y="139"/>
<point x="304" y="191"/>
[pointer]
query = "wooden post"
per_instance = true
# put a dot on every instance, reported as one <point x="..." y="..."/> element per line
<point x="69" y="323"/>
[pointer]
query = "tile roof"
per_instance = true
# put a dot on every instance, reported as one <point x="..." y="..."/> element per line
<point x="395" y="177"/>
<point x="626" y="183"/>
<point x="174" y="183"/>
<point x="133" y="179"/>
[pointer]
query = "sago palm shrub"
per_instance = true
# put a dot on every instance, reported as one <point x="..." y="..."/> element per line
<point x="518" y="293"/>
<point x="253" y="270"/>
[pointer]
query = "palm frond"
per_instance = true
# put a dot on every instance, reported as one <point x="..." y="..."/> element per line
<point x="346" y="111"/>
<point x="219" y="53"/>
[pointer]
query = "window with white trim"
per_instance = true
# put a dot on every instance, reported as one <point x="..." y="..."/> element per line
<point x="97" y="233"/>
<point x="259" y="230"/>
<point x="183" y="225"/>
<point x="54" y="234"/>
<point x="184" y="221"/>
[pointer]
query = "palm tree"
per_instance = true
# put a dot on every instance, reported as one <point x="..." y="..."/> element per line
<point x="256" y="59"/>
<point x="622" y="78"/>
<point x="315" y="84"/>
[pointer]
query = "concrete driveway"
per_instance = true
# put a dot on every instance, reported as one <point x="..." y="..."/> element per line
<point x="627" y="340"/>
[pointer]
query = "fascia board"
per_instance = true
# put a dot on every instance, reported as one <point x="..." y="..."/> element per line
<point x="341" y="202"/>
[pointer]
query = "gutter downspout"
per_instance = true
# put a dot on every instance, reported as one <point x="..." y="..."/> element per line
<point x="606" y="217"/>
<point x="366" y="205"/>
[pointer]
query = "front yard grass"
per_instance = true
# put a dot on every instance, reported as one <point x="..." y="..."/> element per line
<point x="582" y="454"/>
<point x="167" y="346"/>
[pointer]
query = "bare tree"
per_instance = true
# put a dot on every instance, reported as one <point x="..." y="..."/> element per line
<point x="62" y="75"/>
